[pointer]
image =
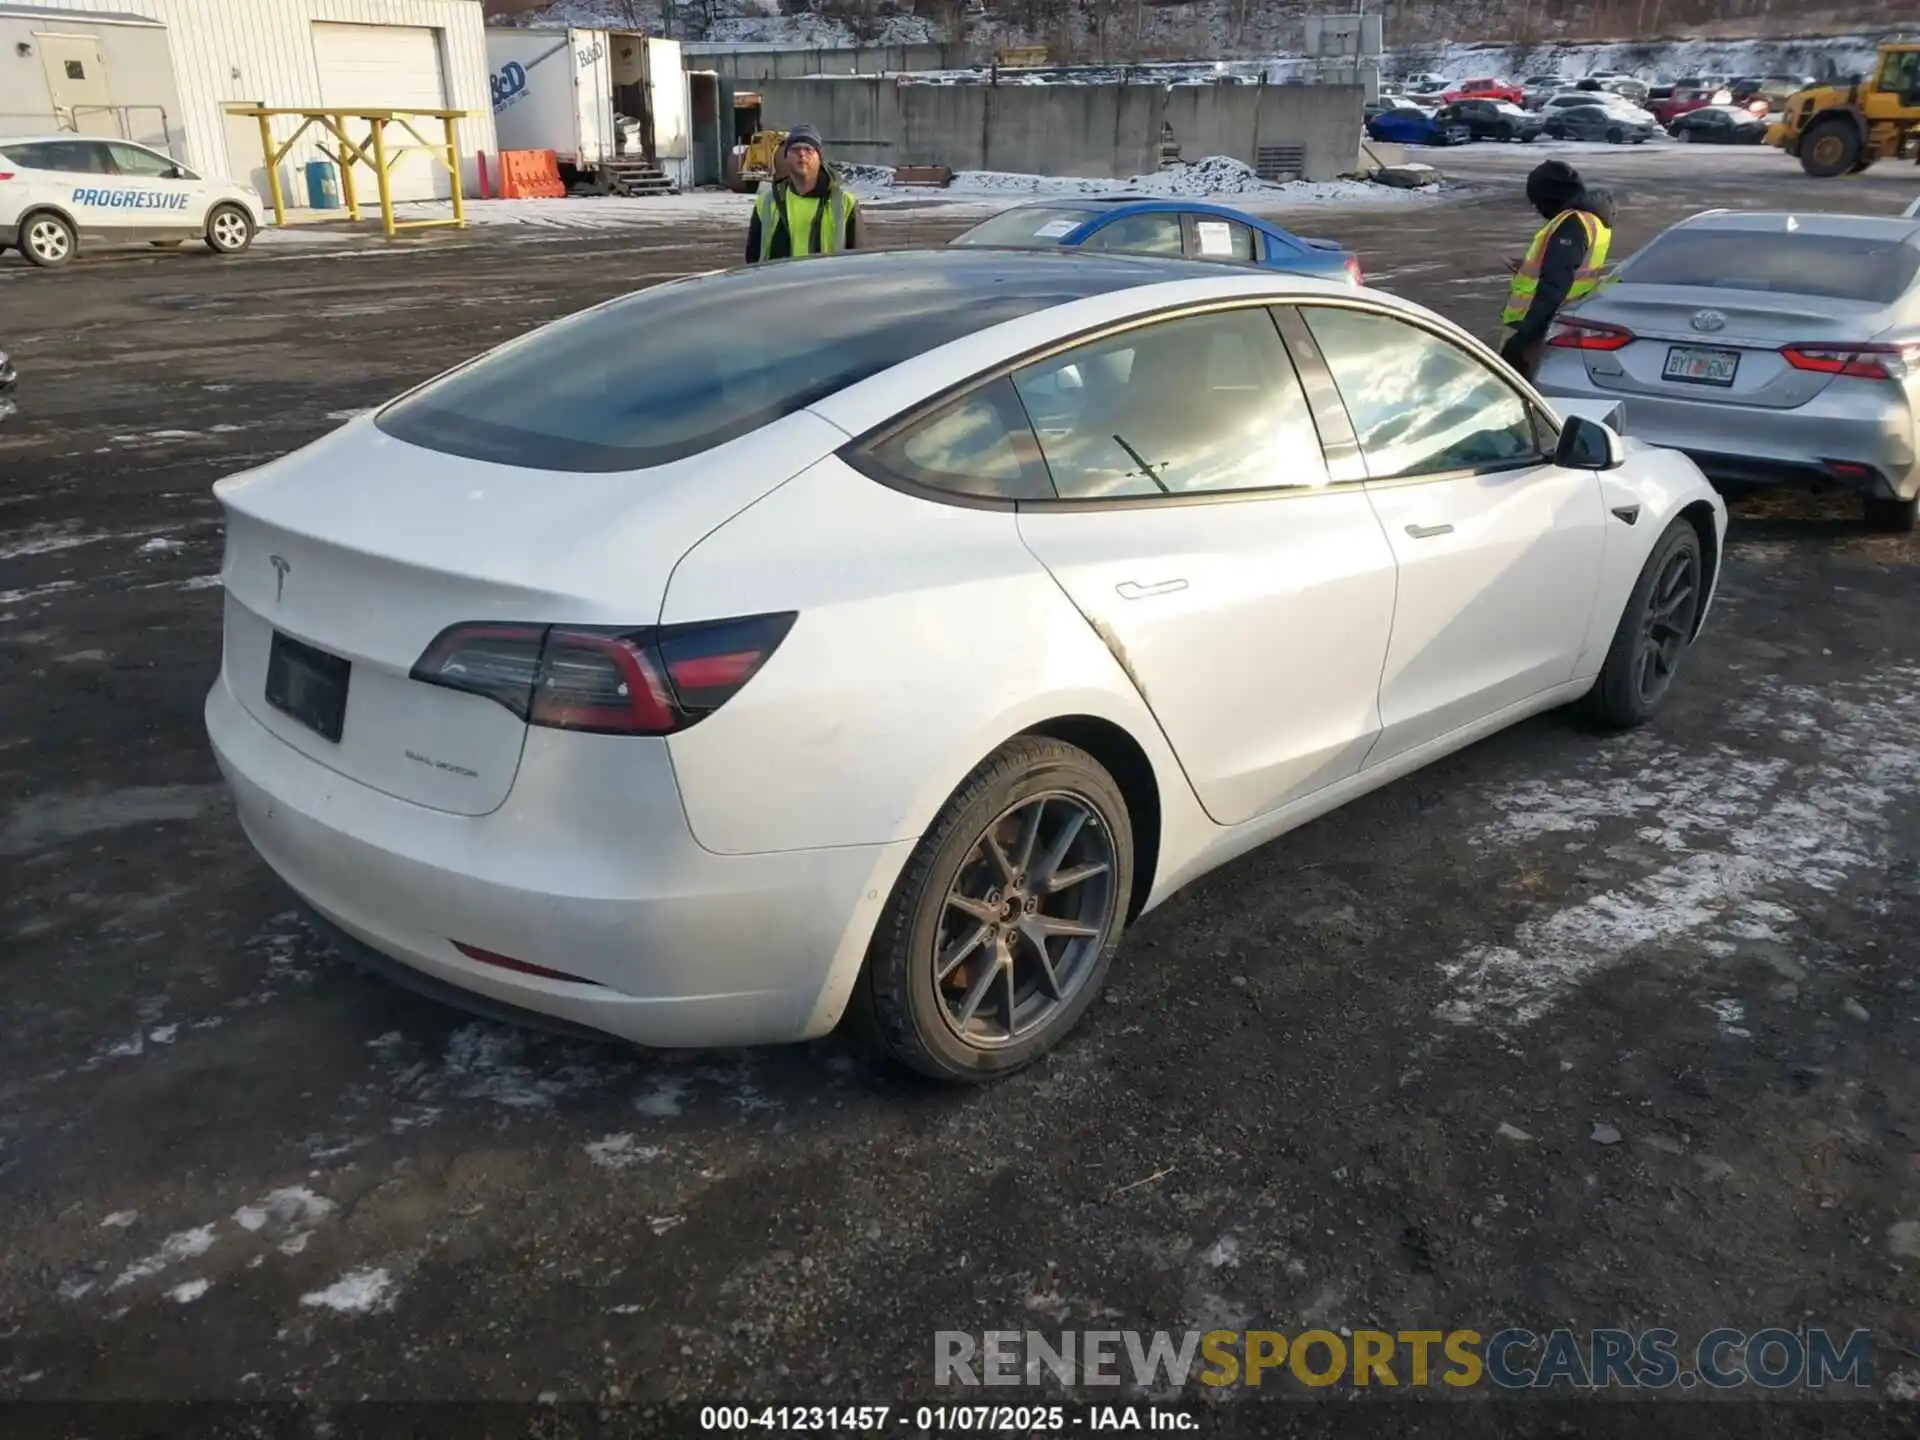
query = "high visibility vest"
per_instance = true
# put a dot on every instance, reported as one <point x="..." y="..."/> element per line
<point x="1526" y="280"/>
<point x="804" y="220"/>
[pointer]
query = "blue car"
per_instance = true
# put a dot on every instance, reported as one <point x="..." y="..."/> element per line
<point x="1162" y="227"/>
<point x="1412" y="126"/>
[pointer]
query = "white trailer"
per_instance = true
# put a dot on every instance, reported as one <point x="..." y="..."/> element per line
<point x="612" y="105"/>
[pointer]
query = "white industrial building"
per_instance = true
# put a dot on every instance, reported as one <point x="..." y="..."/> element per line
<point x="88" y="65"/>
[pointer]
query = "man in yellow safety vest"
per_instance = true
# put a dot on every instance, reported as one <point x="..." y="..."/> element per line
<point x="808" y="211"/>
<point x="1564" y="263"/>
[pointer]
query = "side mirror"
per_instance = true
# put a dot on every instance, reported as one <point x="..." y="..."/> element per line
<point x="1588" y="445"/>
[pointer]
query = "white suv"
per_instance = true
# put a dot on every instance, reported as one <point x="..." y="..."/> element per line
<point x="60" y="191"/>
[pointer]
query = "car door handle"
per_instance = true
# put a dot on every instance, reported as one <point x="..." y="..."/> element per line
<point x="1134" y="590"/>
<point x="1427" y="532"/>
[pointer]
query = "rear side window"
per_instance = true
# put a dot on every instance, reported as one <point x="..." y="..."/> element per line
<point x="70" y="155"/>
<point x="1216" y="239"/>
<point x="670" y="372"/>
<point x="979" y="445"/>
<point x="1835" y="267"/>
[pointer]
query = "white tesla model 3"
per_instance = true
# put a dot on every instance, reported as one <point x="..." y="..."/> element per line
<point x="887" y="631"/>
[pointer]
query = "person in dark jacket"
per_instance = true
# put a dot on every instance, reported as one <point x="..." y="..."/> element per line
<point x="1564" y="263"/>
<point x="808" y="211"/>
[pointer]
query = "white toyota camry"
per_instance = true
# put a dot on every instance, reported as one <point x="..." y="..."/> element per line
<point x="887" y="631"/>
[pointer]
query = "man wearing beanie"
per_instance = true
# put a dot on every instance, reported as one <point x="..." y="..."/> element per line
<point x="1563" y="263"/>
<point x="807" y="211"/>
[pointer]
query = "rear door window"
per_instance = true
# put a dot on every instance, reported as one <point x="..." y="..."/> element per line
<point x="1203" y="403"/>
<point x="1835" y="267"/>
<point x="81" y="157"/>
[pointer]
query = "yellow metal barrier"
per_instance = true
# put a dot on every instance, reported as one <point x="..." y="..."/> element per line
<point x="373" y="151"/>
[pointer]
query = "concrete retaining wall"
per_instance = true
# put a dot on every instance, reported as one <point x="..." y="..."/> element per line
<point x="1107" y="132"/>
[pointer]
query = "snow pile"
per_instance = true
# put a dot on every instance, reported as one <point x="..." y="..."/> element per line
<point x="1215" y="175"/>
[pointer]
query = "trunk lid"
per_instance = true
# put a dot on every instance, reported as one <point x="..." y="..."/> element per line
<point x="365" y="548"/>
<point x="1752" y="325"/>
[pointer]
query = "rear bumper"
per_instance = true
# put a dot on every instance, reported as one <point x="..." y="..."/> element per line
<point x="589" y="869"/>
<point x="1756" y="446"/>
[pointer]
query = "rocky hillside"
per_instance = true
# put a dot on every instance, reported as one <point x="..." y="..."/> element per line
<point x="1206" y="29"/>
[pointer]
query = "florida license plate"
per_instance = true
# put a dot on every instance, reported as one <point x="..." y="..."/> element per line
<point x="1701" y="367"/>
<point x="308" y="684"/>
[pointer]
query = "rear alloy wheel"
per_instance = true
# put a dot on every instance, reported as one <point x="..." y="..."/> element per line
<point x="229" y="230"/>
<point x="47" y="240"/>
<point x="1830" y="147"/>
<point x="1654" y="633"/>
<point x="1002" y="928"/>
<point x="1896" y="517"/>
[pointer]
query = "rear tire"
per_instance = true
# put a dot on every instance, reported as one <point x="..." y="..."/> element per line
<point x="1892" y="517"/>
<point x="47" y="240"/>
<point x="948" y="969"/>
<point x="229" y="230"/>
<point x="1830" y="147"/>
<point x="1654" y="634"/>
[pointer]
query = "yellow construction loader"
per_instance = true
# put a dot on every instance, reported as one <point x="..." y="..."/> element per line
<point x="1842" y="129"/>
<point x="760" y="160"/>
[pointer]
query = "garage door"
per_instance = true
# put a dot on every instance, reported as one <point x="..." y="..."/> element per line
<point x="394" y="67"/>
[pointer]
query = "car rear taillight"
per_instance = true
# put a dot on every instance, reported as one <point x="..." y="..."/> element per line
<point x="1571" y="334"/>
<point x="6" y="174"/>
<point x="1866" y="362"/>
<point x="1355" y="273"/>
<point x="604" y="680"/>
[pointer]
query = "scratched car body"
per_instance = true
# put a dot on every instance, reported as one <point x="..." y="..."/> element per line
<point x="892" y="660"/>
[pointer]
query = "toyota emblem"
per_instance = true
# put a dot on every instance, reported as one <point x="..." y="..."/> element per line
<point x="1709" y="320"/>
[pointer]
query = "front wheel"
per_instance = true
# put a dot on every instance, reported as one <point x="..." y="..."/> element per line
<point x="1895" y="517"/>
<point x="1616" y="137"/>
<point x="1654" y="634"/>
<point x="1002" y="928"/>
<point x="229" y="230"/>
<point x="1830" y="148"/>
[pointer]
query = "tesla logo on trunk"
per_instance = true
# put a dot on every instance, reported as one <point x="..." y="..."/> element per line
<point x="1709" y="320"/>
<point x="280" y="569"/>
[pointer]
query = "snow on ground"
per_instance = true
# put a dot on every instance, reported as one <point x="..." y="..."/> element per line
<point x="1214" y="178"/>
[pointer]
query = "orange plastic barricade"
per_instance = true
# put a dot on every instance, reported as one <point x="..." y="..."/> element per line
<point x="530" y="175"/>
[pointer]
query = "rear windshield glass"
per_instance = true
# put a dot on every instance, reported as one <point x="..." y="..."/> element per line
<point x="672" y="371"/>
<point x="1835" y="267"/>
<point x="1030" y="225"/>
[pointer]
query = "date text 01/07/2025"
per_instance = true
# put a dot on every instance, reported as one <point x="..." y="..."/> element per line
<point x="989" y="1419"/>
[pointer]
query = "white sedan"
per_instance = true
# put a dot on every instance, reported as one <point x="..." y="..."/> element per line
<point x="899" y="651"/>
<point x="60" y="192"/>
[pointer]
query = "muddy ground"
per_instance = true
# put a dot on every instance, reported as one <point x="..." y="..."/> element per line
<point x="1566" y="1030"/>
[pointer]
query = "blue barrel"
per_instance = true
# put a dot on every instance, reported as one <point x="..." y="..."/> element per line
<point x="323" y="185"/>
